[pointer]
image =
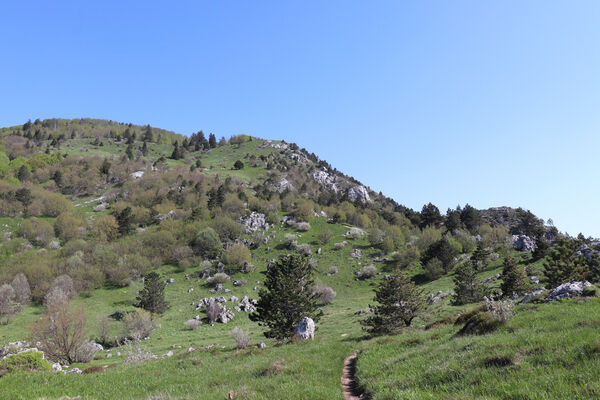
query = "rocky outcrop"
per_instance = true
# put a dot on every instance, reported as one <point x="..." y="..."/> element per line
<point x="305" y="329"/>
<point x="359" y="193"/>
<point x="588" y="250"/>
<point x="283" y="185"/>
<point x="327" y="180"/>
<point x="523" y="243"/>
<point x="254" y="222"/>
<point x="569" y="289"/>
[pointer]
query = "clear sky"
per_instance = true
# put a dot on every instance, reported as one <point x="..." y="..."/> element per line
<point x="453" y="102"/>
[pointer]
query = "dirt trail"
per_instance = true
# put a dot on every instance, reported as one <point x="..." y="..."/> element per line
<point x="349" y="386"/>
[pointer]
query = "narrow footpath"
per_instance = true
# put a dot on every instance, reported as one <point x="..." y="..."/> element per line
<point x="349" y="386"/>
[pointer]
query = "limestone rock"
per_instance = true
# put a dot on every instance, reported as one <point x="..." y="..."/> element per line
<point x="523" y="243"/>
<point x="305" y="329"/>
<point x="359" y="193"/>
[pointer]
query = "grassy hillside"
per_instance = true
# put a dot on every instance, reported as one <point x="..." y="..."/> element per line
<point x="105" y="203"/>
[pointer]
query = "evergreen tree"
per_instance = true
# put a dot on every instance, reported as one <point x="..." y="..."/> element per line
<point x="148" y="136"/>
<point x="452" y="221"/>
<point x="144" y="149"/>
<point x="152" y="296"/>
<point x="105" y="167"/>
<point x="288" y="297"/>
<point x="23" y="195"/>
<point x="430" y="215"/>
<point x="212" y="141"/>
<point x="124" y="219"/>
<point x="129" y="151"/>
<point x="238" y="165"/>
<point x="480" y="256"/>
<point x="467" y="287"/>
<point x="470" y="217"/>
<point x="542" y="249"/>
<point x="443" y="251"/>
<point x="177" y="151"/>
<point x="514" y="278"/>
<point x="562" y="265"/>
<point x="400" y="301"/>
<point x="23" y="173"/>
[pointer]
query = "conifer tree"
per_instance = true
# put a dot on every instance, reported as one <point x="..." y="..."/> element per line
<point x="480" y="256"/>
<point x="562" y="265"/>
<point x="400" y="301"/>
<point x="467" y="287"/>
<point x="152" y="296"/>
<point x="514" y="278"/>
<point x="212" y="141"/>
<point x="288" y="297"/>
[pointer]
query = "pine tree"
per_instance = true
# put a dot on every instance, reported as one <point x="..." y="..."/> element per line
<point x="152" y="296"/>
<point x="480" y="256"/>
<point x="23" y="173"/>
<point x="514" y="278"/>
<point x="129" y="151"/>
<point x="288" y="297"/>
<point x="238" y="165"/>
<point x="562" y="265"/>
<point x="467" y="287"/>
<point x="148" y="136"/>
<point x="124" y="219"/>
<point x="400" y="301"/>
<point x="144" y="149"/>
<point x="212" y="141"/>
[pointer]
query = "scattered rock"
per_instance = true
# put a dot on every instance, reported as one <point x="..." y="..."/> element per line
<point x="254" y="222"/>
<point x="261" y="345"/>
<point x="569" y="289"/>
<point x="305" y="329"/>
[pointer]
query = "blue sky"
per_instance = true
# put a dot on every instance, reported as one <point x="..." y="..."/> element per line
<point x="453" y="102"/>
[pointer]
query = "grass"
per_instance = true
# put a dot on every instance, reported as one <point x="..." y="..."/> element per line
<point x="547" y="351"/>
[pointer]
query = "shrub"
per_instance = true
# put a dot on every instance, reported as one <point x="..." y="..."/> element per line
<point x="219" y="277"/>
<point x="242" y="338"/>
<point x="30" y="360"/>
<point x="303" y="211"/>
<point x="69" y="226"/>
<point x="325" y="236"/>
<point x="236" y="256"/>
<point x="136" y="353"/>
<point x="304" y="249"/>
<point x="481" y="323"/>
<point x="326" y="294"/>
<point x="375" y="236"/>
<point x="500" y="309"/>
<point x="227" y="228"/>
<point x="290" y="240"/>
<point x="86" y="352"/>
<point x="105" y="228"/>
<point x="208" y="243"/>
<point x="303" y="226"/>
<point x="22" y="289"/>
<point x="434" y="269"/>
<point x="356" y="233"/>
<point x="238" y="165"/>
<point x="367" y="272"/>
<point x="8" y="306"/>
<point x="333" y="270"/>
<point x="139" y="325"/>
<point x="38" y="232"/>
<point x="338" y="246"/>
<point x="193" y="324"/>
<point x="60" y="332"/>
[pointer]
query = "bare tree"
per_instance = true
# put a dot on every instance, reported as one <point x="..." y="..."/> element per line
<point x="213" y="309"/>
<point x="8" y="306"/>
<point x="60" y="332"/>
<point x="22" y="289"/>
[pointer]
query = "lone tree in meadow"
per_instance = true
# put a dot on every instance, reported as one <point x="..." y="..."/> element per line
<point x="288" y="297"/>
<point x="400" y="301"/>
<point x="152" y="296"/>
<point x="514" y="279"/>
<point x="238" y="165"/>
<point x="467" y="287"/>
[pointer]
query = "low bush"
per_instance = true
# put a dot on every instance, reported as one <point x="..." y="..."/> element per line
<point x="304" y="249"/>
<point x="139" y="325"/>
<point x="242" y="338"/>
<point x="326" y="294"/>
<point x="303" y="226"/>
<point x="31" y="360"/>
<point x="219" y="277"/>
<point x="367" y="272"/>
<point x="193" y="324"/>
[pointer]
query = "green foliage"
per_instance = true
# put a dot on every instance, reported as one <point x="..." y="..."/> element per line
<point x="31" y="360"/>
<point x="399" y="302"/>
<point x="152" y="297"/>
<point x="562" y="265"/>
<point x="514" y="278"/>
<point x="444" y="251"/>
<point x="208" y="243"/>
<point x="238" y="165"/>
<point x="287" y="297"/>
<point x="467" y="287"/>
<point x="481" y="256"/>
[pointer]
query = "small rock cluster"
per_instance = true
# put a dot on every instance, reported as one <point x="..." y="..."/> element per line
<point x="254" y="222"/>
<point x="435" y="298"/>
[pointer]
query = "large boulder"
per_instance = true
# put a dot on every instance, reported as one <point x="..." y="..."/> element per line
<point x="283" y="185"/>
<point x="359" y="193"/>
<point x="568" y="289"/>
<point x="305" y="329"/>
<point x="523" y="243"/>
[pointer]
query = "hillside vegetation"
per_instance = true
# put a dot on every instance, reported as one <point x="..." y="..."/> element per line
<point x="92" y="210"/>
